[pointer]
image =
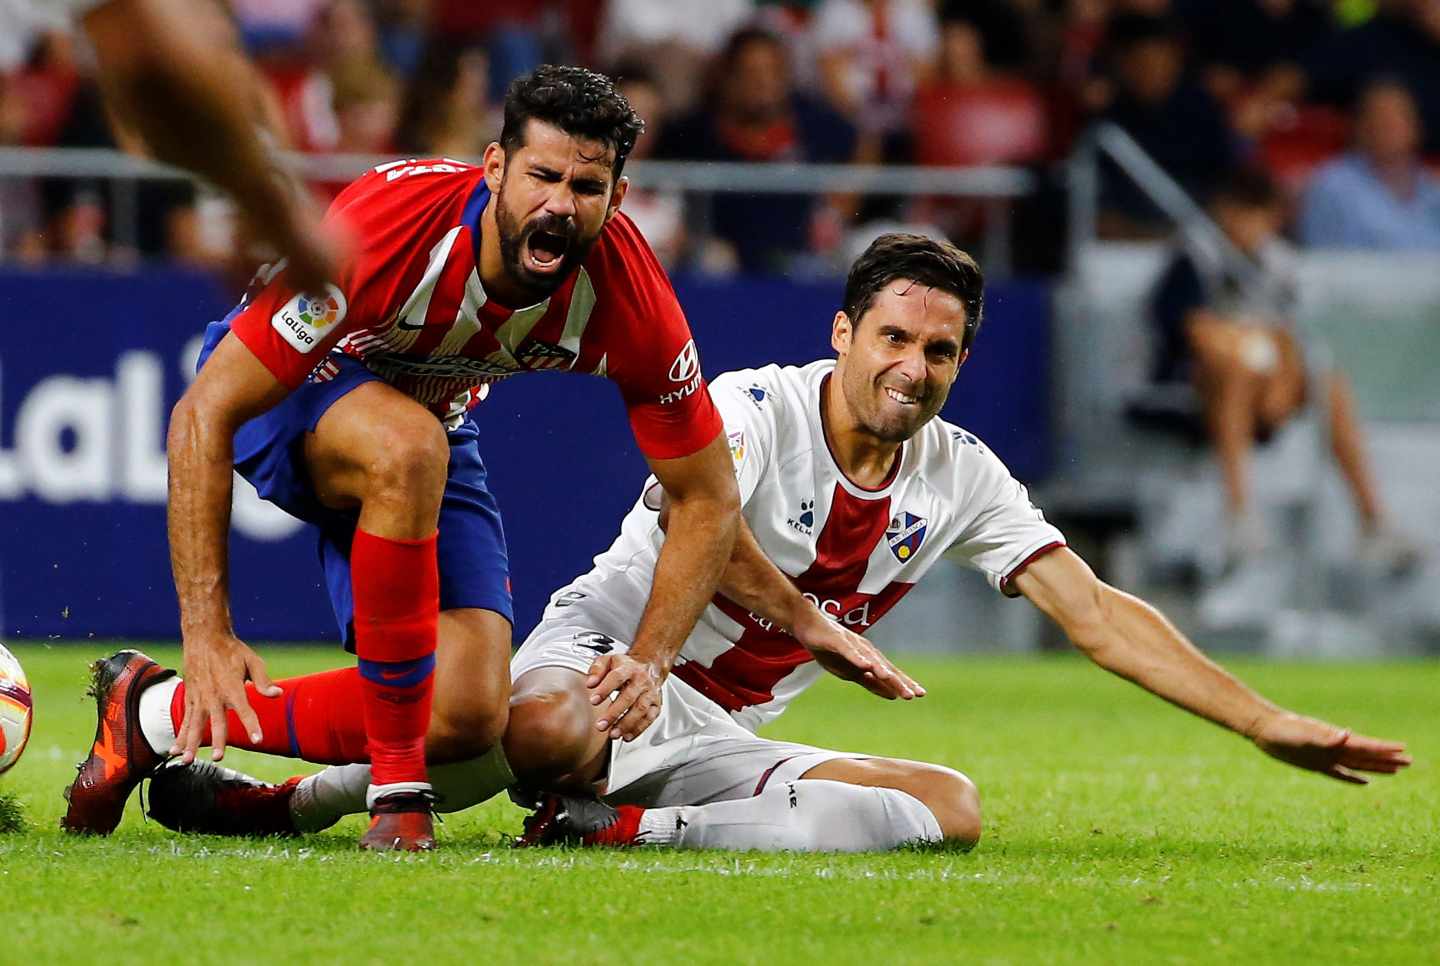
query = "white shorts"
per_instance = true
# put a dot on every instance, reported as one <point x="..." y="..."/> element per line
<point x="692" y="754"/>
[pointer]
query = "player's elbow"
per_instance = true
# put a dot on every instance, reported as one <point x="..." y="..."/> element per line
<point x="1088" y="617"/>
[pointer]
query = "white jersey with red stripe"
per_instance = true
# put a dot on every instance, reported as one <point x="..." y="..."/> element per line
<point x="853" y="551"/>
<point x="411" y="306"/>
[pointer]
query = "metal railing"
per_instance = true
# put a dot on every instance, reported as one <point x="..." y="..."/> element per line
<point x="995" y="187"/>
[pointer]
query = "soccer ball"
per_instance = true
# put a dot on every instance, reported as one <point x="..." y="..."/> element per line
<point x="16" y="711"/>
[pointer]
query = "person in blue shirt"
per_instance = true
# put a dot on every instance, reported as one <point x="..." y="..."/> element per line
<point x="1378" y="196"/>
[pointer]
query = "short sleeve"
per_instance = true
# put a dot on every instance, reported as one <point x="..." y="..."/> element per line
<point x="650" y="353"/>
<point x="290" y="332"/>
<point x="750" y="428"/>
<point x="1007" y="534"/>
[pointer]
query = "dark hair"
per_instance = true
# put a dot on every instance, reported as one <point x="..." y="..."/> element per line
<point x="1248" y="187"/>
<point x="580" y="102"/>
<point x="937" y="264"/>
<point x="1126" y="31"/>
<point x="746" y="36"/>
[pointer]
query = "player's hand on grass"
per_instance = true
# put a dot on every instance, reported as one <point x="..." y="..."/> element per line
<point x="216" y="670"/>
<point x="850" y="656"/>
<point x="1337" y="752"/>
<point x="626" y="692"/>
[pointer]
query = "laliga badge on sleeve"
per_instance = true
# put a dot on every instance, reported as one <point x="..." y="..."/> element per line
<point x="305" y="320"/>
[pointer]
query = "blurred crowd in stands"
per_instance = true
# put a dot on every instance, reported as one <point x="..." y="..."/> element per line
<point x="1339" y="100"/>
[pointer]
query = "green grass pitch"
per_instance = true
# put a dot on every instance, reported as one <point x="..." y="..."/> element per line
<point x="1117" y="830"/>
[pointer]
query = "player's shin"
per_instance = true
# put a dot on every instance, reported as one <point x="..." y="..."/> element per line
<point x="807" y="815"/>
<point x="397" y="610"/>
<point x="316" y="717"/>
<point x="324" y="798"/>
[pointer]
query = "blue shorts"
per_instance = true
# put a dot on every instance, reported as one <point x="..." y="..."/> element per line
<point x="269" y="452"/>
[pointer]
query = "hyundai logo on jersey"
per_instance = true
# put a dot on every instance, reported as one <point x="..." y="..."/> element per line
<point x="904" y="535"/>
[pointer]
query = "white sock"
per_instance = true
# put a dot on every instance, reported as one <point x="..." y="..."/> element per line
<point x="807" y="815"/>
<point x="324" y="798"/>
<point x="155" y="723"/>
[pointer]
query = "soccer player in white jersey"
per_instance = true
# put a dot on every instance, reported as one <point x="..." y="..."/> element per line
<point x="173" y="74"/>
<point x="852" y="489"/>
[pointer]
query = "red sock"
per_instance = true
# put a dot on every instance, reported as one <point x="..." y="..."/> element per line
<point x="396" y="584"/>
<point x="318" y="718"/>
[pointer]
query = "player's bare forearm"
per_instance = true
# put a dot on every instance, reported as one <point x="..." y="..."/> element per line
<point x="232" y="388"/>
<point x="1132" y="639"/>
<point x="200" y="452"/>
<point x="703" y="521"/>
<point x="753" y="581"/>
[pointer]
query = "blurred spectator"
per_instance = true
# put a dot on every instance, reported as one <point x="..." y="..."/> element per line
<point x="268" y="24"/>
<point x="754" y="113"/>
<point x="677" y="38"/>
<point x="1172" y="118"/>
<point x="1401" y="41"/>
<point x="367" y="107"/>
<point x="972" y="114"/>
<point x="872" y="55"/>
<point x="1379" y="196"/>
<point x="448" y="108"/>
<point x="518" y="34"/>
<point x="1241" y="42"/>
<point x="403" y="25"/>
<point x="1229" y="332"/>
<point x="659" y="213"/>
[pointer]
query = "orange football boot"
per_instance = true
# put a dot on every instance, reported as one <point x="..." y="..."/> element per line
<point x="120" y="756"/>
<point x="400" y="823"/>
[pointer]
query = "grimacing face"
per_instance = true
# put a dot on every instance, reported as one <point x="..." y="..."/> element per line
<point x="898" y="361"/>
<point x="553" y="195"/>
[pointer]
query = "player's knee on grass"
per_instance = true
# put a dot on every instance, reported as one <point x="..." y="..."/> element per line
<point x="955" y="802"/>
<point x="950" y="796"/>
<point x="551" y="733"/>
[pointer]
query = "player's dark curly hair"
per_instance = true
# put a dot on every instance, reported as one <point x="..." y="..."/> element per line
<point x="580" y="102"/>
<point x="937" y="264"/>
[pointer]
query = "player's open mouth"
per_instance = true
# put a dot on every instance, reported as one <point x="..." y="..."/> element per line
<point x="545" y="251"/>
<point x="900" y="397"/>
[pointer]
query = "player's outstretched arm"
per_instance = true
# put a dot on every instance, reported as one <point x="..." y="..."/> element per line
<point x="704" y="518"/>
<point x="1128" y="637"/>
<point x="194" y="100"/>
<point x="231" y="388"/>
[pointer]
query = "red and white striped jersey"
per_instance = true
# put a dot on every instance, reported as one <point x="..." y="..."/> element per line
<point x="411" y="306"/>
<point x="854" y="552"/>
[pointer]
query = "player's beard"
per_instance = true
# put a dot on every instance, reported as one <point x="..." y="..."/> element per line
<point x="514" y="236"/>
<point x="881" y="417"/>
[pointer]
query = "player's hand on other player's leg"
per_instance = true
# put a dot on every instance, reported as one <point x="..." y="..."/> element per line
<point x="1336" y="752"/>
<point x="850" y="656"/>
<point x="626" y="692"/>
<point x="216" y="669"/>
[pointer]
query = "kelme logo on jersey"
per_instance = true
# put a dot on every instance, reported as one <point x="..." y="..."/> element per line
<point x="306" y="319"/>
<point x="805" y="523"/>
<point x="757" y="395"/>
<point x="904" y="535"/>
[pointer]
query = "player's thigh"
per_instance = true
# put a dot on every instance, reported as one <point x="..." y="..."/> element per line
<point x="375" y="439"/>
<point x="472" y="682"/>
<point x="950" y="796"/>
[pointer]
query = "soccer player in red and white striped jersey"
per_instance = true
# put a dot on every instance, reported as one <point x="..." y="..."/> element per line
<point x="350" y="408"/>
